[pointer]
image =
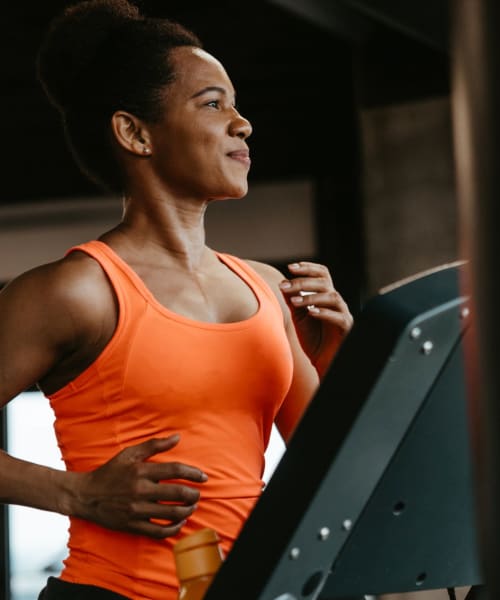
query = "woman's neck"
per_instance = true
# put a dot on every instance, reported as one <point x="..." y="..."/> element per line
<point x="169" y="230"/>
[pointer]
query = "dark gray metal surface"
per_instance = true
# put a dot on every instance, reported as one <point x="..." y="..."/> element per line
<point x="425" y="491"/>
<point x="317" y="500"/>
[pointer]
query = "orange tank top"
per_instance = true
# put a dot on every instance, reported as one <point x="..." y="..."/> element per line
<point x="218" y="385"/>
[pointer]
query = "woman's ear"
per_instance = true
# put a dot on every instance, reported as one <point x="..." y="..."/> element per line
<point x="130" y="133"/>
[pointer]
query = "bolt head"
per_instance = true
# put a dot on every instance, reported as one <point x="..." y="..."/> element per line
<point x="347" y="524"/>
<point x="415" y="333"/>
<point x="427" y="347"/>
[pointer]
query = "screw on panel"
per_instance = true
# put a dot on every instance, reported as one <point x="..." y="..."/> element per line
<point x="398" y="508"/>
<point x="415" y="333"/>
<point x="465" y="312"/>
<point x="427" y="347"/>
<point x="347" y="524"/>
<point x="324" y="533"/>
<point x="294" y="553"/>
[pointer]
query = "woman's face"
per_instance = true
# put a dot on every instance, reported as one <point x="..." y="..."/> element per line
<point x="198" y="146"/>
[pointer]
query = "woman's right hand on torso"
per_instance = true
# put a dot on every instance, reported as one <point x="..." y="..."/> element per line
<point x="127" y="492"/>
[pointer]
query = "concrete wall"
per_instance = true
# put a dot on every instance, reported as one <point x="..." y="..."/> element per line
<point x="410" y="207"/>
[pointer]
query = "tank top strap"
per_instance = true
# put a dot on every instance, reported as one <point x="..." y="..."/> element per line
<point x="110" y="262"/>
<point x="119" y="276"/>
<point x="252" y="279"/>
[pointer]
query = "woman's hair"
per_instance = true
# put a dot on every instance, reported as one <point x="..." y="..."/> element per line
<point x="100" y="56"/>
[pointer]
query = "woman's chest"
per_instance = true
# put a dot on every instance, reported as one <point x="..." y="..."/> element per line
<point x="216" y="296"/>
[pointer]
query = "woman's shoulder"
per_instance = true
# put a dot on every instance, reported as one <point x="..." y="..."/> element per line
<point x="52" y="317"/>
<point x="74" y="284"/>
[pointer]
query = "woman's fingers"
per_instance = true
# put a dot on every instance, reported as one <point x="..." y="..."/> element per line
<point x="306" y="284"/>
<point x="313" y="290"/>
<point x="343" y="321"/>
<point x="171" y="470"/>
<point x="171" y="492"/>
<point x="155" y="530"/>
<point x="308" y="277"/>
<point x="326" y="299"/>
<point x="329" y="307"/>
<point x="166" y="512"/>
<point x="158" y="520"/>
<point x="320" y="315"/>
<point x="149" y="448"/>
<point x="310" y="269"/>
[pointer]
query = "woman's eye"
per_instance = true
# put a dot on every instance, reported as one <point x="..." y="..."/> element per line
<point x="213" y="103"/>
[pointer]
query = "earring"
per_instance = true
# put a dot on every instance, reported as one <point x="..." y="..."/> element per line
<point x="146" y="150"/>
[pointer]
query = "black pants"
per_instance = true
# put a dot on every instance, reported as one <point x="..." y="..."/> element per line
<point x="56" y="589"/>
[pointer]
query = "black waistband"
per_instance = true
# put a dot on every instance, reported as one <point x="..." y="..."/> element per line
<point x="57" y="589"/>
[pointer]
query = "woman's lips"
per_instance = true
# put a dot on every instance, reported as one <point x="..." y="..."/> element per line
<point x="242" y="156"/>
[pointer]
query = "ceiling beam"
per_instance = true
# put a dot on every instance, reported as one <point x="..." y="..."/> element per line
<point x="332" y="15"/>
<point x="358" y="20"/>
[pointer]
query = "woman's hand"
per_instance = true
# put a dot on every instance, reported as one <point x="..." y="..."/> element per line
<point x="320" y="315"/>
<point x="129" y="494"/>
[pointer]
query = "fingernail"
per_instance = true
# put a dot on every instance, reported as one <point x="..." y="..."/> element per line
<point x="204" y="477"/>
<point x="312" y="308"/>
<point x="297" y="299"/>
<point x="294" y="266"/>
<point x="284" y="285"/>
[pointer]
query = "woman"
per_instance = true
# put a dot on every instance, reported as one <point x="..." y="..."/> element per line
<point x="165" y="362"/>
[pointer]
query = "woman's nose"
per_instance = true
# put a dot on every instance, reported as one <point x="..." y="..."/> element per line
<point x="241" y="127"/>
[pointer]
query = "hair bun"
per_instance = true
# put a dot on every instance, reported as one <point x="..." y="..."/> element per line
<point x="72" y="44"/>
